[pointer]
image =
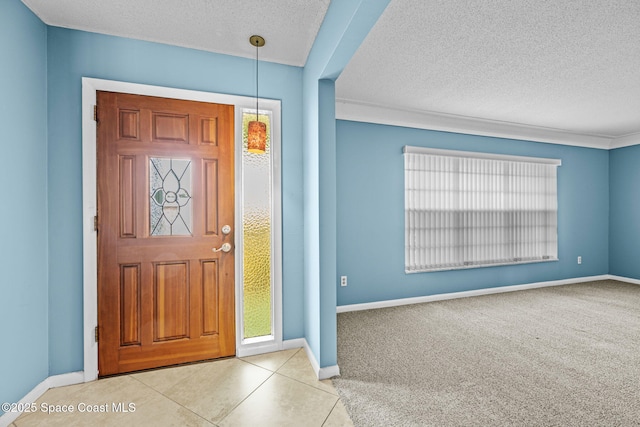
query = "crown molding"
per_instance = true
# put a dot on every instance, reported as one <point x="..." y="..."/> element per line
<point x="373" y="113"/>
<point x="625" y="141"/>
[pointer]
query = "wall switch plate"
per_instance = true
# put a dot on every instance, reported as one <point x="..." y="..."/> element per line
<point x="343" y="280"/>
<point x="579" y="260"/>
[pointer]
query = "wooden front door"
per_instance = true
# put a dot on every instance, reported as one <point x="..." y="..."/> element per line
<point x="165" y="205"/>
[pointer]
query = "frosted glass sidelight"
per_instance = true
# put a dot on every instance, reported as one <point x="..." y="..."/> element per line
<point x="465" y="210"/>
<point x="256" y="223"/>
<point x="170" y="206"/>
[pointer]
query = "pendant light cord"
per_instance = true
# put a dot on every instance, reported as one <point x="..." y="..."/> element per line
<point x="257" y="87"/>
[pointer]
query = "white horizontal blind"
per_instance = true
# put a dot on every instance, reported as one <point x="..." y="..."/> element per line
<point x="466" y="210"/>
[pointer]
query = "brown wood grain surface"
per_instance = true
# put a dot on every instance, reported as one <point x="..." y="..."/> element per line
<point x="166" y="299"/>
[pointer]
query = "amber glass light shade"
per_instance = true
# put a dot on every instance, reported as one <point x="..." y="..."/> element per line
<point x="257" y="137"/>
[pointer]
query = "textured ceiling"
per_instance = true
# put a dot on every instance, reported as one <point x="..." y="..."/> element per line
<point x="571" y="65"/>
<point x="223" y="26"/>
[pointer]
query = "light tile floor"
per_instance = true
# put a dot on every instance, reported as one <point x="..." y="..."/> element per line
<point x="275" y="389"/>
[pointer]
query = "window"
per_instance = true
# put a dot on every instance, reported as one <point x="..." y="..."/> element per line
<point x="257" y="202"/>
<point x="465" y="210"/>
<point x="258" y="232"/>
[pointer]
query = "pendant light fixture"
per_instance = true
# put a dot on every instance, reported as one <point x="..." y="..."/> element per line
<point x="257" y="132"/>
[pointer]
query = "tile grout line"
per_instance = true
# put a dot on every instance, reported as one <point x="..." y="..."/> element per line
<point x="267" y="379"/>
<point x="170" y="399"/>
<point x="330" y="412"/>
<point x="162" y="368"/>
<point x="232" y="409"/>
<point x="283" y="376"/>
<point x="283" y="363"/>
<point x="250" y="394"/>
<point x="307" y="384"/>
<point x="295" y="379"/>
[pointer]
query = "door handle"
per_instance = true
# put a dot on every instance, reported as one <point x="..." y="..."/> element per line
<point x="226" y="247"/>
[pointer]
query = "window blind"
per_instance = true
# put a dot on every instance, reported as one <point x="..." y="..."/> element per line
<point x="465" y="209"/>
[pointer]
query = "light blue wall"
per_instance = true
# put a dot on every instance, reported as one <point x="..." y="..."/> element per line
<point x="23" y="218"/>
<point x="624" y="225"/>
<point x="327" y="155"/>
<point x="345" y="26"/>
<point x="77" y="54"/>
<point x="371" y="214"/>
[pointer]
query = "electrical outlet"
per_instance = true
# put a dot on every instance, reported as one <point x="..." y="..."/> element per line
<point x="579" y="260"/>
<point x="343" y="280"/>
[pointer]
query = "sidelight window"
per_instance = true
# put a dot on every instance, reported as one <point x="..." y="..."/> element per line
<point x="257" y="201"/>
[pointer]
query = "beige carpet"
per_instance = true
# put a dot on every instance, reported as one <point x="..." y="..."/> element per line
<point x="558" y="356"/>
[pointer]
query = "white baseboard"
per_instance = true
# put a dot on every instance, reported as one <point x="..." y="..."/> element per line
<point x="294" y="343"/>
<point x="247" y="351"/>
<point x="65" y="379"/>
<point x="466" y="294"/>
<point x="321" y="373"/>
<point x="624" y="279"/>
<point x="329" y="372"/>
<point x="50" y="382"/>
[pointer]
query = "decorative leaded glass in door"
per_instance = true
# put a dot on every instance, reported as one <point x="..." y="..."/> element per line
<point x="170" y="207"/>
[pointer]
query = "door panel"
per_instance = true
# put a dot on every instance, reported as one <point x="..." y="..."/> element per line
<point x="130" y="303"/>
<point x="127" y="201"/>
<point x="171" y="294"/>
<point x="165" y="188"/>
<point x="210" y="167"/>
<point x="210" y="282"/>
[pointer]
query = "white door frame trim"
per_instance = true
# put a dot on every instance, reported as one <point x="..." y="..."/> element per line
<point x="89" y="201"/>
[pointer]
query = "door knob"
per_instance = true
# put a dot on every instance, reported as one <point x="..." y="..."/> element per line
<point x="226" y="247"/>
